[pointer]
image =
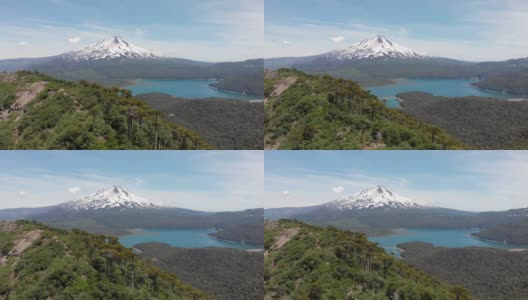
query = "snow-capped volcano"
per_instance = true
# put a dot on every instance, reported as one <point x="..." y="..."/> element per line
<point x="112" y="48"/>
<point x="114" y="197"/>
<point x="375" y="198"/>
<point x="379" y="47"/>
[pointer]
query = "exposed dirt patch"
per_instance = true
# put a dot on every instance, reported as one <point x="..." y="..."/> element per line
<point x="374" y="146"/>
<point x="270" y="74"/>
<point x="24" y="243"/>
<point x="7" y="226"/>
<point x="274" y="145"/>
<point x="283" y="85"/>
<point x="283" y="239"/>
<point x="3" y="261"/>
<point x="28" y="95"/>
<point x="8" y="77"/>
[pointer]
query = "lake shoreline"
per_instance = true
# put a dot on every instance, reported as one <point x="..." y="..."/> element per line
<point x="448" y="88"/>
<point x="185" y="88"/>
<point x="525" y="247"/>
<point x="183" y="238"/>
<point x="235" y="242"/>
<point x="449" y="238"/>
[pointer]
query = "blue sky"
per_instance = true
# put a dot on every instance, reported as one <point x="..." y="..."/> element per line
<point x="474" y="30"/>
<point x="467" y="180"/>
<point x="211" y="30"/>
<point x="202" y="180"/>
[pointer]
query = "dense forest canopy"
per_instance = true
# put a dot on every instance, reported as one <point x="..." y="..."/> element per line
<point x="250" y="233"/>
<point x="491" y="274"/>
<point x="40" y="262"/>
<point x="513" y="82"/>
<point x="305" y="111"/>
<point x="225" y="123"/>
<point x="485" y="123"/>
<point x="308" y="262"/>
<point x="515" y="233"/>
<point x="224" y="273"/>
<point x="39" y="112"/>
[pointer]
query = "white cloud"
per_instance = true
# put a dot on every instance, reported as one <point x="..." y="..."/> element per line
<point x="477" y="181"/>
<point x="403" y="31"/>
<point x="285" y="193"/>
<point x="22" y="193"/>
<point x="22" y="43"/>
<point x="139" y="181"/>
<point x="235" y="29"/>
<point x="74" y="40"/>
<point x="337" y="39"/>
<point x="74" y="190"/>
<point x="286" y="43"/>
<point x="500" y="27"/>
<point x="403" y="181"/>
<point x="227" y="181"/>
<point x="338" y="189"/>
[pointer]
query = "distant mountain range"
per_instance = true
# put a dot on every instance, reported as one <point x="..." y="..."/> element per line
<point x="115" y="211"/>
<point x="378" y="61"/>
<point x="115" y="61"/>
<point x="378" y="210"/>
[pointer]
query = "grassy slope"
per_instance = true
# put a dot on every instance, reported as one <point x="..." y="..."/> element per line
<point x="322" y="112"/>
<point x="68" y="115"/>
<point x="326" y="263"/>
<point x="73" y="264"/>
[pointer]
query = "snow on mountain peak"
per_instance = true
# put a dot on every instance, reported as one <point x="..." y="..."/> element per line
<point x="377" y="197"/>
<point x="112" y="48"/>
<point x="114" y="197"/>
<point x="379" y="47"/>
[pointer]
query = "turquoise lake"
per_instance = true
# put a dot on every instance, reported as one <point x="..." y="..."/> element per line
<point x="186" y="238"/>
<point x="437" y="87"/>
<point x="451" y="238"/>
<point x="183" y="88"/>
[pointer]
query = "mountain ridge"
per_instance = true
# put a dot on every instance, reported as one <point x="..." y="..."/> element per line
<point x="41" y="262"/>
<point x="113" y="197"/>
<point x="379" y="47"/>
<point x="112" y="48"/>
<point x="374" y="198"/>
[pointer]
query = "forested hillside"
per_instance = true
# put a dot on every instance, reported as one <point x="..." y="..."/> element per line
<point x="39" y="262"/>
<point x="484" y="123"/>
<point x="308" y="262"/>
<point x="491" y="274"/>
<point x="305" y="111"/>
<point x="513" y="82"/>
<point x="241" y="77"/>
<point x="119" y="222"/>
<point x="39" y="112"/>
<point x="251" y="233"/>
<point x="515" y="233"/>
<point x="225" y="123"/>
<point x="224" y="273"/>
